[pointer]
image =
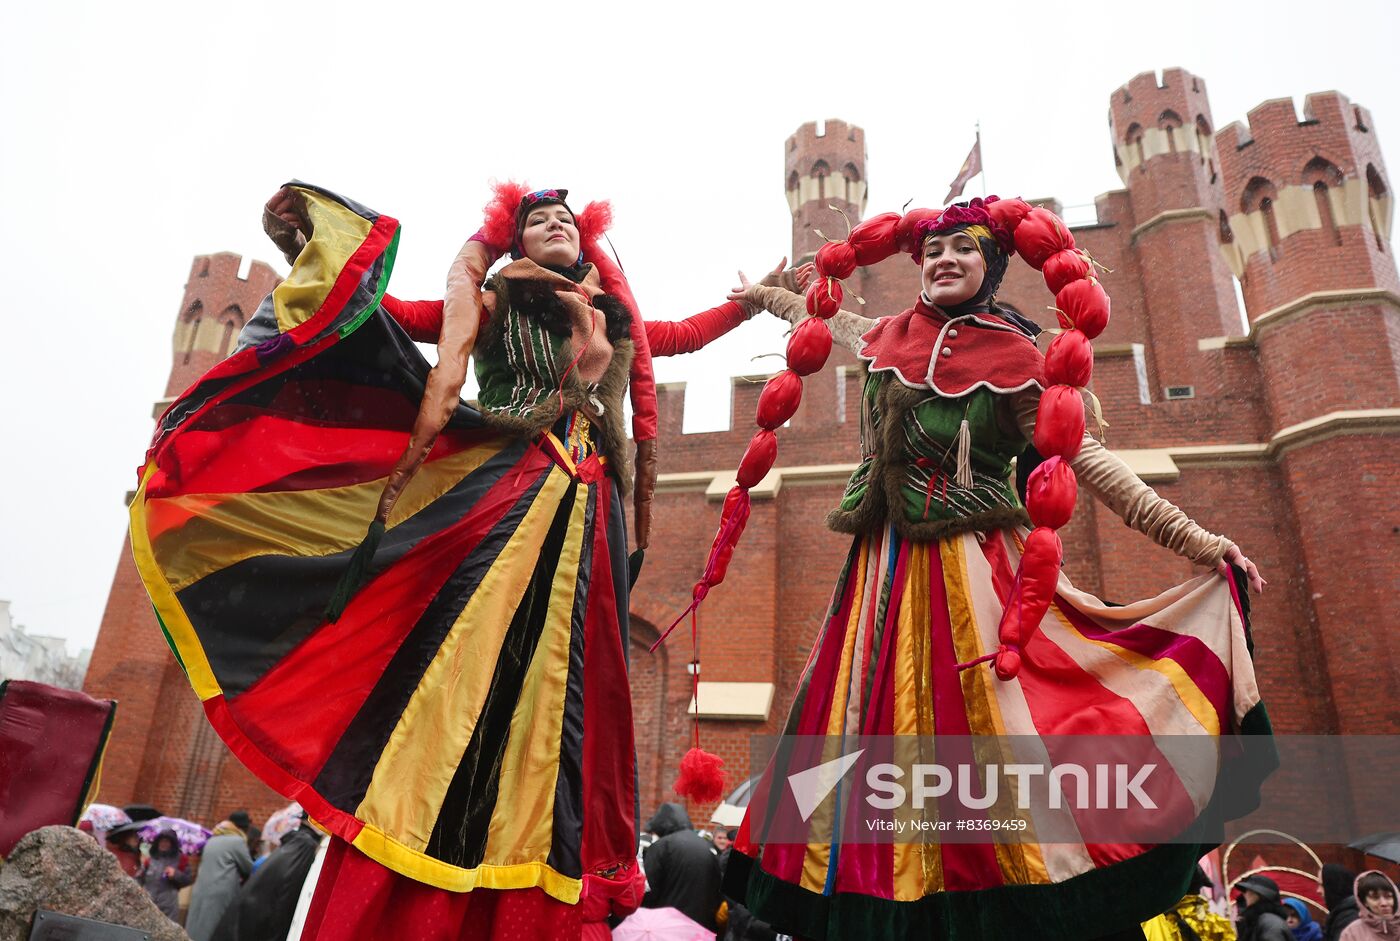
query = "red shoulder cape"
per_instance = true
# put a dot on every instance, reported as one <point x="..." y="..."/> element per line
<point x="926" y="349"/>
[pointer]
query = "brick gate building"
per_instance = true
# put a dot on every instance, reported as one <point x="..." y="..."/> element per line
<point x="1275" y="424"/>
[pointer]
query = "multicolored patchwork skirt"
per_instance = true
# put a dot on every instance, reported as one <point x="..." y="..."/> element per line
<point x="466" y="722"/>
<point x="904" y="615"/>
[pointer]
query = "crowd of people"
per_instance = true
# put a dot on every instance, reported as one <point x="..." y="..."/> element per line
<point x="241" y="883"/>
<point x="243" y="886"/>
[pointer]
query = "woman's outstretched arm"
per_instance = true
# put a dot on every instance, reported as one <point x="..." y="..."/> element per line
<point x="846" y="328"/>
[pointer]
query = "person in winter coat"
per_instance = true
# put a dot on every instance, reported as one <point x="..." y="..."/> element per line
<point x="1338" y="884"/>
<point x="223" y="866"/>
<point x="1379" y="910"/>
<point x="1300" y="921"/>
<point x="1262" y="916"/>
<point x="608" y="901"/>
<point x="124" y="842"/>
<point x="264" y="908"/>
<point x="681" y="870"/>
<point x="1191" y="918"/>
<point x="165" y="872"/>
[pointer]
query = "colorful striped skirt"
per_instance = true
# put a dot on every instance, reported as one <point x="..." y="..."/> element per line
<point x="466" y="722"/>
<point x="904" y="615"/>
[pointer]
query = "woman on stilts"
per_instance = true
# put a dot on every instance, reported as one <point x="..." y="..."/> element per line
<point x="950" y="619"/>
<point x="445" y="693"/>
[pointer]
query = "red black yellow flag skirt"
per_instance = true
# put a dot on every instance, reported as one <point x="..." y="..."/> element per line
<point x="438" y="725"/>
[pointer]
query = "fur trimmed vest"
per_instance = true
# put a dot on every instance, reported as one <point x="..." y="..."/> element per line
<point x="933" y="466"/>
<point x="526" y="357"/>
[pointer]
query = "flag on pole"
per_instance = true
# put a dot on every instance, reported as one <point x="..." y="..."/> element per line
<point x="970" y="168"/>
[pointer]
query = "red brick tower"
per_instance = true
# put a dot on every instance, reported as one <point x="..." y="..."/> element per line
<point x="1308" y="235"/>
<point x="824" y="166"/>
<point x="1163" y="150"/>
<point x="162" y="750"/>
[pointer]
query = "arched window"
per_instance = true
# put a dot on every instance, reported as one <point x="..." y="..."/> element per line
<point x="1170" y="122"/>
<point x="821" y="171"/>
<point x="1378" y="205"/>
<point x="1203" y="141"/>
<point x="1259" y="197"/>
<point x="192" y="318"/>
<point x="1134" y="139"/>
<point x="232" y="320"/>
<point x="1324" y="176"/>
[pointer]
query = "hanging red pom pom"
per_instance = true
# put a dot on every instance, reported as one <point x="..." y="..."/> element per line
<point x="1063" y="267"/>
<point x="1041" y="234"/>
<point x="1070" y="359"/>
<point x="1059" y="422"/>
<point x="1084" y="305"/>
<point x="824" y="297"/>
<point x="836" y="260"/>
<point x="701" y="778"/>
<point x="1051" y="492"/>
<point x="758" y="459"/>
<point x="808" y="347"/>
<point x="779" y="399"/>
<point x="875" y="238"/>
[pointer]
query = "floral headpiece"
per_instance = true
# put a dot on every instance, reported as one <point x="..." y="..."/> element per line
<point x="961" y="215"/>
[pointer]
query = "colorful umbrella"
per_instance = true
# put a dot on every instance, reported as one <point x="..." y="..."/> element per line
<point x="191" y="835"/>
<point x="660" y="924"/>
<point x="104" y="816"/>
<point x="281" y="823"/>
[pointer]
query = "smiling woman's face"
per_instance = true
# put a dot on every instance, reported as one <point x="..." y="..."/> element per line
<point x="550" y="236"/>
<point x="953" y="269"/>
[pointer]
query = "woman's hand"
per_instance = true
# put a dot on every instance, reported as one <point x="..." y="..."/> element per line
<point x="744" y="293"/>
<point x="798" y="279"/>
<point x="285" y="222"/>
<point x="1251" y="571"/>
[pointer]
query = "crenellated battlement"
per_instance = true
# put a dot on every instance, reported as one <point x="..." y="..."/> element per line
<point x="218" y="301"/>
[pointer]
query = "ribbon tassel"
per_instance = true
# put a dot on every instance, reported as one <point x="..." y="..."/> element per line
<point x="963" y="478"/>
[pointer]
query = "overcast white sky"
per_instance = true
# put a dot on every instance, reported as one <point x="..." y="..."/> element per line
<point x="136" y="135"/>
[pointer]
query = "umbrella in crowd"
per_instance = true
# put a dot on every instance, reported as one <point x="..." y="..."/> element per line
<point x="1384" y="845"/>
<point x="660" y="924"/>
<point x="281" y="823"/>
<point x="191" y="835"/>
<point x="730" y="813"/>
<point x="104" y="816"/>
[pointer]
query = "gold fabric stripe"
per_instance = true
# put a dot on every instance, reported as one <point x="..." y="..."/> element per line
<point x="416" y="767"/>
<point x="382" y="848"/>
<point x="1021" y="863"/>
<point x="177" y="623"/>
<point x="817" y="859"/>
<point x="918" y="867"/>
<point x="336" y="234"/>
<point x="523" y="822"/>
<point x="203" y="533"/>
<point x="1187" y="691"/>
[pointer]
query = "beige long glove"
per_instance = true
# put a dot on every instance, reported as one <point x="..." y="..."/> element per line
<point x="1123" y="492"/>
<point x="461" y="320"/>
<point x="846" y="328"/>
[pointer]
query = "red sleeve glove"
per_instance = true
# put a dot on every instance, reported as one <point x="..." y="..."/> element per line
<point x="421" y="320"/>
<point x="673" y="337"/>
